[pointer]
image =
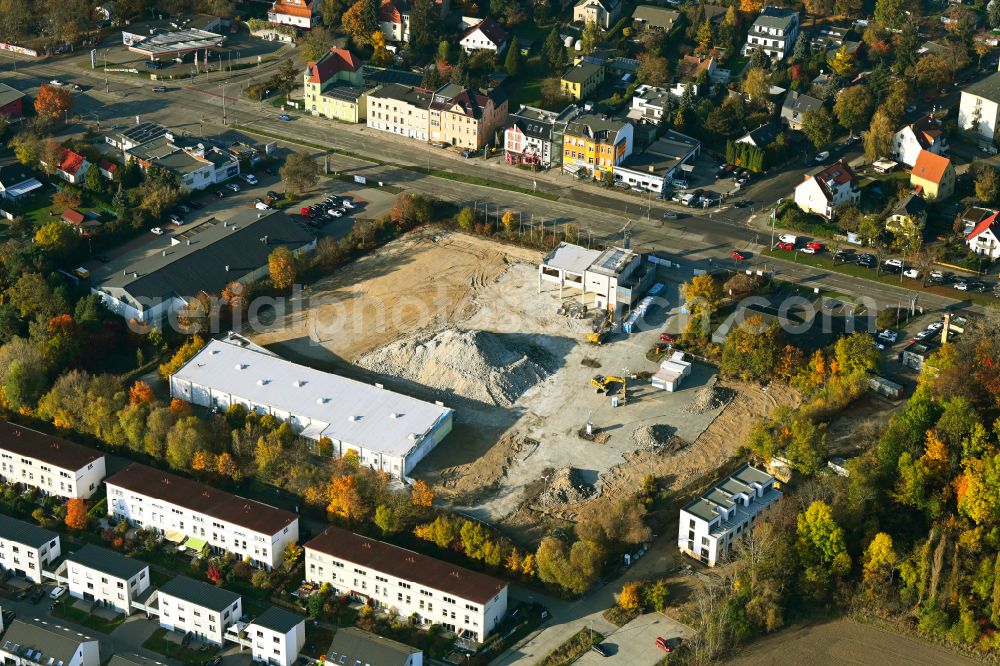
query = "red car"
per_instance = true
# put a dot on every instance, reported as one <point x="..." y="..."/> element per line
<point x="304" y="211"/>
<point x="666" y="337"/>
<point x="785" y="246"/>
<point x="813" y="245"/>
<point x="667" y="644"/>
<point x="738" y="256"/>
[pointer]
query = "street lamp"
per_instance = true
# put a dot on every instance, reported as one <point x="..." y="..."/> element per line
<point x="223" y="102"/>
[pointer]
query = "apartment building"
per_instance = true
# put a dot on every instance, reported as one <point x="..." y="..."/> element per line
<point x="462" y="117"/>
<point x="828" y="189"/>
<point x="581" y="80"/>
<point x="979" y="109"/>
<point x="535" y="136"/>
<point x="465" y="602"/>
<point x="52" y="465"/>
<point x="352" y="645"/>
<point x="603" y="13"/>
<point x="36" y="644"/>
<point x="711" y="524"/>
<point x="774" y="31"/>
<point x="106" y="577"/>
<point x="276" y="637"/>
<point x="26" y="549"/>
<point x="401" y="110"/>
<point x="197" y="515"/>
<point x="334" y="87"/>
<point x="188" y="605"/>
<point x="594" y="144"/>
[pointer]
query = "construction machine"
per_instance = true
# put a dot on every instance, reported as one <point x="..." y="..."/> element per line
<point x="602" y="329"/>
<point x="603" y="384"/>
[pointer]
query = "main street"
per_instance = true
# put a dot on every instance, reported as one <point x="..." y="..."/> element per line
<point x="703" y="237"/>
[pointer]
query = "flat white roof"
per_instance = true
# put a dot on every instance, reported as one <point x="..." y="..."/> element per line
<point x="354" y="412"/>
<point x="571" y="258"/>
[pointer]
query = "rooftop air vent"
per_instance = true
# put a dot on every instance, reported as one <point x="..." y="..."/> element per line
<point x="354" y="417"/>
<point x="263" y="382"/>
<point x="322" y="401"/>
<point x="395" y="415"/>
<point x="241" y="366"/>
<point x="299" y="383"/>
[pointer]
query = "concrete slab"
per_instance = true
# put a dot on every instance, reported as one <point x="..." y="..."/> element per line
<point x="635" y="643"/>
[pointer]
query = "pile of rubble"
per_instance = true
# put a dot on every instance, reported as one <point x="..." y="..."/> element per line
<point x="656" y="438"/>
<point x="710" y="398"/>
<point x="565" y="487"/>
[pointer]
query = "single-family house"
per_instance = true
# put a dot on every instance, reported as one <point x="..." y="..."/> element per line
<point x="795" y="108"/>
<point x="394" y="20"/>
<point x="933" y="176"/>
<point x="485" y="35"/>
<point x="604" y="13"/>
<point x="106" y="577"/>
<point x="107" y="168"/>
<point x="199" y="608"/>
<point x="276" y="637"/>
<point x="72" y="166"/>
<point x="984" y="239"/>
<point x="908" y="216"/>
<point x="923" y="134"/>
<point x="651" y="17"/>
<point x="827" y="189"/>
<point x="353" y="646"/>
<point x="296" y="13"/>
<point x="762" y="136"/>
<point x="581" y="80"/>
<point x="25" y="549"/>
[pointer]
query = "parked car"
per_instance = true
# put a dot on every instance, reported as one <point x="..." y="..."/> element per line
<point x="815" y="246"/>
<point x="936" y="274"/>
<point x="159" y="89"/>
<point x="194" y="204"/>
<point x="335" y="213"/>
<point x="157" y="230"/>
<point x="867" y="260"/>
<point x="220" y="193"/>
<point x="347" y="203"/>
<point x="895" y="263"/>
<point x="285" y="117"/>
<point x="468" y="152"/>
<point x="785" y="246"/>
<point x="808" y="250"/>
<point x="960" y="286"/>
<point x="233" y="186"/>
<point x="822" y="156"/>
<point x="742" y="203"/>
<point x="57" y="592"/>
<point x="666" y="337"/>
<point x="176" y="219"/>
<point x="888" y="336"/>
<point x="250" y="178"/>
<point x="911" y="273"/>
<point x="669" y="215"/>
<point x="439" y="144"/>
<point x="36" y="595"/>
<point x="738" y="256"/>
<point x="668" y="644"/>
<point x="56" y="82"/>
<point x="791" y="239"/>
<point x="273" y="194"/>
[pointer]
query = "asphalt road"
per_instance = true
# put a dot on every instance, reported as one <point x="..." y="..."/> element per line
<point x="704" y="237"/>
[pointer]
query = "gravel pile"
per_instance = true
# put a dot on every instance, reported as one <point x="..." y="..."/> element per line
<point x="710" y="398"/>
<point x="478" y="365"/>
<point x="566" y="487"/>
<point x="656" y="438"/>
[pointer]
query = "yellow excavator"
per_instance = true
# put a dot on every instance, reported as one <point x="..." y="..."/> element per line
<point x="602" y="330"/>
<point x="603" y="384"/>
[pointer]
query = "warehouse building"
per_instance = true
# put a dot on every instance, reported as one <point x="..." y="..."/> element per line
<point x="616" y="277"/>
<point x="390" y="432"/>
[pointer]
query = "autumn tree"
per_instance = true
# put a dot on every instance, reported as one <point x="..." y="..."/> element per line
<point x="628" y="598"/>
<point x="281" y="266"/>
<point x="821" y="548"/>
<point x="819" y="7"/>
<point x="203" y="461"/>
<point x="421" y="494"/>
<point x="182" y="356"/>
<point x="186" y="437"/>
<point x="345" y="500"/>
<point x="508" y="221"/>
<point x="360" y="21"/>
<point x="76" y="514"/>
<point x="141" y="393"/>
<point x="300" y="171"/>
<point x="315" y="43"/>
<point x="701" y="296"/>
<point x="572" y="568"/>
<point x="986" y="183"/>
<point x="756" y="85"/>
<point x="653" y="69"/>
<point x="818" y="125"/>
<point x="387" y="519"/>
<point x="751" y="349"/>
<point x="53" y="101"/>
<point x="27" y="148"/>
<point x="225" y="465"/>
<point x="878" y="138"/>
<point x="854" y="107"/>
<point x="57" y="237"/>
<point x="591" y="37"/>
<point x="843" y="63"/>
<point x="891" y="14"/>
<point x="443" y="531"/>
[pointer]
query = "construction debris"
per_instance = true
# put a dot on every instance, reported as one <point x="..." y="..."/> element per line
<point x="710" y="398"/>
<point x="657" y="438"/>
<point x="565" y="487"/>
<point x="479" y="365"/>
<point x="573" y="310"/>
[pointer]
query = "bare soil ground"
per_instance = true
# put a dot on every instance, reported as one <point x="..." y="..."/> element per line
<point x="844" y="641"/>
<point x="422" y="280"/>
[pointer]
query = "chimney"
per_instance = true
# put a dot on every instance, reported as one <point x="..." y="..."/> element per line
<point x="164" y="253"/>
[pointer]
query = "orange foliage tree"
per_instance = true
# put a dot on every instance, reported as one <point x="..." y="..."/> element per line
<point x="141" y="392"/>
<point x="76" y="514"/>
<point x="202" y="461"/>
<point x="179" y="408"/>
<point x="422" y="494"/>
<point x="345" y="501"/>
<point x="53" y="101"/>
<point x="226" y="466"/>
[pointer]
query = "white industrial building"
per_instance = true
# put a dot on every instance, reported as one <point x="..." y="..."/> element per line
<point x="196" y="515"/>
<point x="204" y="610"/>
<point x="106" y="577"/>
<point x="464" y="602"/>
<point x="711" y="524"/>
<point x="52" y="465"/>
<point x="671" y="373"/>
<point x="616" y="277"/>
<point x="26" y="549"/>
<point x="47" y="644"/>
<point x="389" y="431"/>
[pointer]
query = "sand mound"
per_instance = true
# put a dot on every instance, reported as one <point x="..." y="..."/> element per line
<point x="478" y="365"/>
<point x="657" y="438"/>
<point x="710" y="398"/>
<point x="566" y="487"/>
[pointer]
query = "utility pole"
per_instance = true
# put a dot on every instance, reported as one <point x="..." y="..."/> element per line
<point x="107" y="89"/>
<point x="223" y="102"/>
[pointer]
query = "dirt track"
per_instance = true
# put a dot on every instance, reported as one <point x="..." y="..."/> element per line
<point x="845" y="642"/>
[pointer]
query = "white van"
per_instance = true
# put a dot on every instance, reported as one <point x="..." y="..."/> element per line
<point x="788" y="238"/>
<point x="687" y="199"/>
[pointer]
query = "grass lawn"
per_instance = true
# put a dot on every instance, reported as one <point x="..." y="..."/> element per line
<point x="318" y="640"/>
<point x="67" y="612"/>
<point x="158" y="643"/>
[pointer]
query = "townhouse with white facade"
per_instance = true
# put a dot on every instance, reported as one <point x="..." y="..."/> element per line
<point x="106" y="577"/>
<point x="535" y="136"/>
<point x="352" y="645"/>
<point x="827" y="189"/>
<point x="26" y="549"/>
<point x="923" y="134"/>
<point x="390" y="432"/>
<point x="984" y="238"/>
<point x="276" y="637"/>
<point x="52" y="465"/>
<point x="711" y="524"/>
<point x="204" y="610"/>
<point x="465" y="602"/>
<point x="979" y="109"/>
<point x="774" y="31"/>
<point x="36" y="644"/>
<point x="487" y="35"/>
<point x="197" y="515"/>
<point x="296" y="13"/>
<point x="399" y="109"/>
